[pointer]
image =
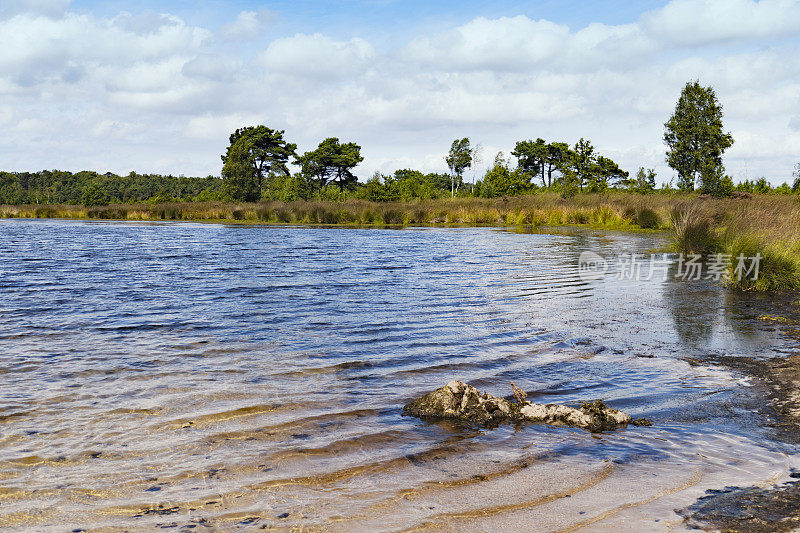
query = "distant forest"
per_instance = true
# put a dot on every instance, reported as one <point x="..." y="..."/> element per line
<point x="90" y="188"/>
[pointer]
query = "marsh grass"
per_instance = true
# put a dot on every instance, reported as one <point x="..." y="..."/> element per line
<point x="606" y="211"/>
<point x="766" y="225"/>
<point x="692" y="232"/>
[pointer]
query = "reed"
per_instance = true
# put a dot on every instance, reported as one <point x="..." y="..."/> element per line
<point x="618" y="210"/>
<point x="767" y="226"/>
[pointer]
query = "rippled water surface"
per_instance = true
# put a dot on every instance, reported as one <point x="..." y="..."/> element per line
<point x="210" y="376"/>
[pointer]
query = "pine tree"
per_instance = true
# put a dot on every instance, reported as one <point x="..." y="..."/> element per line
<point x="696" y="139"/>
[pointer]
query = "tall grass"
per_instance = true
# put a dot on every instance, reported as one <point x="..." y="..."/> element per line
<point x="767" y="226"/>
<point x="610" y="211"/>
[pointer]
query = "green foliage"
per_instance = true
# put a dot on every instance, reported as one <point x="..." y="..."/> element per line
<point x="559" y="157"/>
<point x="268" y="152"/>
<point x="405" y="185"/>
<point x="779" y="266"/>
<point x="409" y="184"/>
<point x="332" y="161"/>
<point x="288" y="188"/>
<point x="647" y="218"/>
<point x="458" y="160"/>
<point x="580" y="167"/>
<point x="500" y="181"/>
<point x="762" y="186"/>
<point x="692" y="231"/>
<point x="720" y="186"/>
<point x="93" y="194"/>
<point x="376" y="190"/>
<point x="60" y="187"/>
<point x="643" y="183"/>
<point x="603" y="172"/>
<point x="695" y="138"/>
<point x="241" y="181"/>
<point x="11" y="191"/>
<point x="725" y="188"/>
<point x="783" y="188"/>
<point x="569" y="183"/>
<point x="532" y="157"/>
<point x="583" y="161"/>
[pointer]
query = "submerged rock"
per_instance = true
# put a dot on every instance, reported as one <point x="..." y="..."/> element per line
<point x="459" y="400"/>
<point x="464" y="402"/>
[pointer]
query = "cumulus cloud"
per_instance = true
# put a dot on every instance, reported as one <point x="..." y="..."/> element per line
<point x="76" y="42"/>
<point x="248" y="25"/>
<point x="212" y="66"/>
<point x="699" y="22"/>
<point x="508" y="43"/>
<point x="317" y="56"/>
<point x="151" y="92"/>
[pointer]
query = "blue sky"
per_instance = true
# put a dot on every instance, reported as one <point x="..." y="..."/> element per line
<point x="379" y="18"/>
<point x="158" y="86"/>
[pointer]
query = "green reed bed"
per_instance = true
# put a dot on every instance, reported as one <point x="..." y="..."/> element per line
<point x="543" y="209"/>
<point x="767" y="226"/>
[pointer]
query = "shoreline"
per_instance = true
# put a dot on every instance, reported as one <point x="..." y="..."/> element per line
<point x="758" y="508"/>
<point x="523" y="228"/>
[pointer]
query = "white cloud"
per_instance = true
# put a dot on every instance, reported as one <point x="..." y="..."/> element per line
<point x="317" y="56"/>
<point x="46" y="8"/>
<point x="151" y="92"/>
<point x="699" y="22"/>
<point x="504" y="44"/>
<point x="248" y="25"/>
<point x="212" y="67"/>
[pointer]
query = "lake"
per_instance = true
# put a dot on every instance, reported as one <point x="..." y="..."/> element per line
<point x="190" y="375"/>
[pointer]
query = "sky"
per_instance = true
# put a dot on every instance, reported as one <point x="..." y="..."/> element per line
<point x="158" y="86"/>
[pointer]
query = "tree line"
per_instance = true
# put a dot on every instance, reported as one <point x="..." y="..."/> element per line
<point x="256" y="163"/>
<point x="91" y="188"/>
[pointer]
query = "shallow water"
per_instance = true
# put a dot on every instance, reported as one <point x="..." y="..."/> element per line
<point x="239" y="376"/>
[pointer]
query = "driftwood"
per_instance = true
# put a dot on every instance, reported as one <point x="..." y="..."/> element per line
<point x="461" y="401"/>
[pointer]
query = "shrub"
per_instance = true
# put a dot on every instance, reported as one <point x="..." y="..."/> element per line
<point x="778" y="267"/>
<point x="647" y="218"/>
<point x="691" y="232"/>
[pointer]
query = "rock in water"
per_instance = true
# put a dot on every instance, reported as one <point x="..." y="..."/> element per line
<point x="464" y="402"/>
<point x="594" y="416"/>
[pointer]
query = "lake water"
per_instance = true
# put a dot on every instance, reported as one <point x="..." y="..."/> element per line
<point x="190" y="375"/>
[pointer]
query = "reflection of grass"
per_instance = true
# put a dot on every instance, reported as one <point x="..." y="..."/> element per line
<point x="767" y="226"/>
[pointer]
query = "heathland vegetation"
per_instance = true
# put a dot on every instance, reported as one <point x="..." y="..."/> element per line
<point x="548" y="183"/>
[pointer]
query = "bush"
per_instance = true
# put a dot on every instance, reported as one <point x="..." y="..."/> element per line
<point x="778" y="268"/>
<point x="692" y="233"/>
<point x="647" y="218"/>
